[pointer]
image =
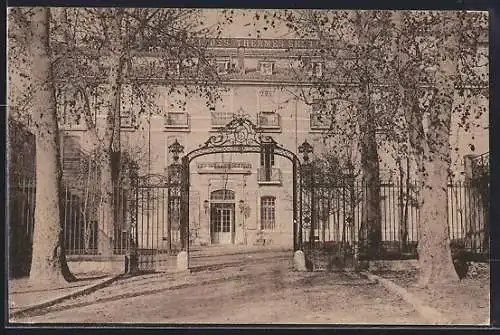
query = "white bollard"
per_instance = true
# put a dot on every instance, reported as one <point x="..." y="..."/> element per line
<point x="182" y="261"/>
<point x="299" y="261"/>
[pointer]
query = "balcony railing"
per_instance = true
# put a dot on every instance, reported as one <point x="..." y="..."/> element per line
<point x="269" y="120"/>
<point x="319" y="121"/>
<point x="177" y="120"/>
<point x="269" y="176"/>
<point x="220" y="119"/>
<point x="481" y="165"/>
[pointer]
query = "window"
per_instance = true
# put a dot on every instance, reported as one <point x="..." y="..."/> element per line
<point x="173" y="68"/>
<point x="223" y="66"/>
<point x="169" y="156"/>
<point x="267" y="173"/>
<point x="269" y="120"/>
<point x="268" y="213"/>
<point x="177" y="120"/>
<point x="318" y="105"/>
<point x="318" y="119"/>
<point x="128" y="107"/>
<point x="98" y="101"/>
<point x="267" y="68"/>
<point x="71" y="154"/>
<point x="220" y="119"/>
<point x="71" y="111"/>
<point x="222" y="195"/>
<point x="317" y="69"/>
<point x="267" y="156"/>
<point x="127" y="118"/>
<point x="313" y="68"/>
<point x="189" y="63"/>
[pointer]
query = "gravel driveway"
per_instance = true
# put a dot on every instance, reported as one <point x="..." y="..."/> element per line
<point x="245" y="288"/>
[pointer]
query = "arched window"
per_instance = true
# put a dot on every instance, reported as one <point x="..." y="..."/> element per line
<point x="222" y="195"/>
<point x="268" y="213"/>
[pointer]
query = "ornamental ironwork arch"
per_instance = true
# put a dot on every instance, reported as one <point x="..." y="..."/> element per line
<point x="240" y="135"/>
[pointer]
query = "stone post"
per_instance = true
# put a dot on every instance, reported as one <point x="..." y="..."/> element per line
<point x="469" y="167"/>
<point x="182" y="261"/>
<point x="299" y="261"/>
<point x="472" y="201"/>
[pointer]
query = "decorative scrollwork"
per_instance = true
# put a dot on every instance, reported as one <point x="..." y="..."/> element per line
<point x="239" y="131"/>
<point x="153" y="180"/>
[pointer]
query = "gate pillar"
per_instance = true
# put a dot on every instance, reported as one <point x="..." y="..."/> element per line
<point x="185" y="205"/>
<point x="132" y="256"/>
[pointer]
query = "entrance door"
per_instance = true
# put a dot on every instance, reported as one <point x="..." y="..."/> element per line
<point x="222" y="223"/>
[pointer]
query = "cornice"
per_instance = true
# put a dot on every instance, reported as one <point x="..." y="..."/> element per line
<point x="280" y="48"/>
<point x="274" y="82"/>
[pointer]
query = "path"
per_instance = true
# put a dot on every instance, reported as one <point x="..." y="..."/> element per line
<point x="256" y="287"/>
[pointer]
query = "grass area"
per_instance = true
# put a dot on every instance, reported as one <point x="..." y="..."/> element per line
<point x="464" y="303"/>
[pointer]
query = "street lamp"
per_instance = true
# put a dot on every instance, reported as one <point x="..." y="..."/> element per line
<point x="242" y="206"/>
<point x="305" y="149"/>
<point x="175" y="148"/>
<point x="244" y="211"/>
<point x="174" y="169"/>
<point x="175" y="189"/>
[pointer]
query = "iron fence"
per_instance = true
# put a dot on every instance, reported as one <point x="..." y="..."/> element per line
<point x="21" y="203"/>
<point x="82" y="212"/>
<point x="146" y="218"/>
<point x="336" y="223"/>
<point x="134" y="218"/>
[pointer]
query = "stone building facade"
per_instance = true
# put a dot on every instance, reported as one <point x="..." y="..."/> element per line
<point x="238" y="198"/>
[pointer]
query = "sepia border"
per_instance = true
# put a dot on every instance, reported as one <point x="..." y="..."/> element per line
<point x="492" y="6"/>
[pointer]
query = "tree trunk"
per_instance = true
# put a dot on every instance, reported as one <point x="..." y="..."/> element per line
<point x="432" y="154"/>
<point x="111" y="173"/>
<point x="435" y="261"/>
<point x="371" y="230"/>
<point x="105" y="230"/>
<point x="48" y="264"/>
<point x="403" y="207"/>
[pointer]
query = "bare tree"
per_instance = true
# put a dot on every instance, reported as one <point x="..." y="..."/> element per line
<point x="350" y="64"/>
<point x="404" y="75"/>
<point x="431" y="52"/>
<point x="48" y="261"/>
<point x="129" y="48"/>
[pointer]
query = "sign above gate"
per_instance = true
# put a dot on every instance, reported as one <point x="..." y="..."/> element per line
<point x="225" y="167"/>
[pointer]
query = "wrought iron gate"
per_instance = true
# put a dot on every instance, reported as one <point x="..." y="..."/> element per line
<point x="156" y="222"/>
<point x="240" y="135"/>
<point x="161" y="217"/>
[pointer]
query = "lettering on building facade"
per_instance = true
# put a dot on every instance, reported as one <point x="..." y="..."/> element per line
<point x="258" y="43"/>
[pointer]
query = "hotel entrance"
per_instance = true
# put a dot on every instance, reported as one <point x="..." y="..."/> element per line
<point x="222" y="217"/>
